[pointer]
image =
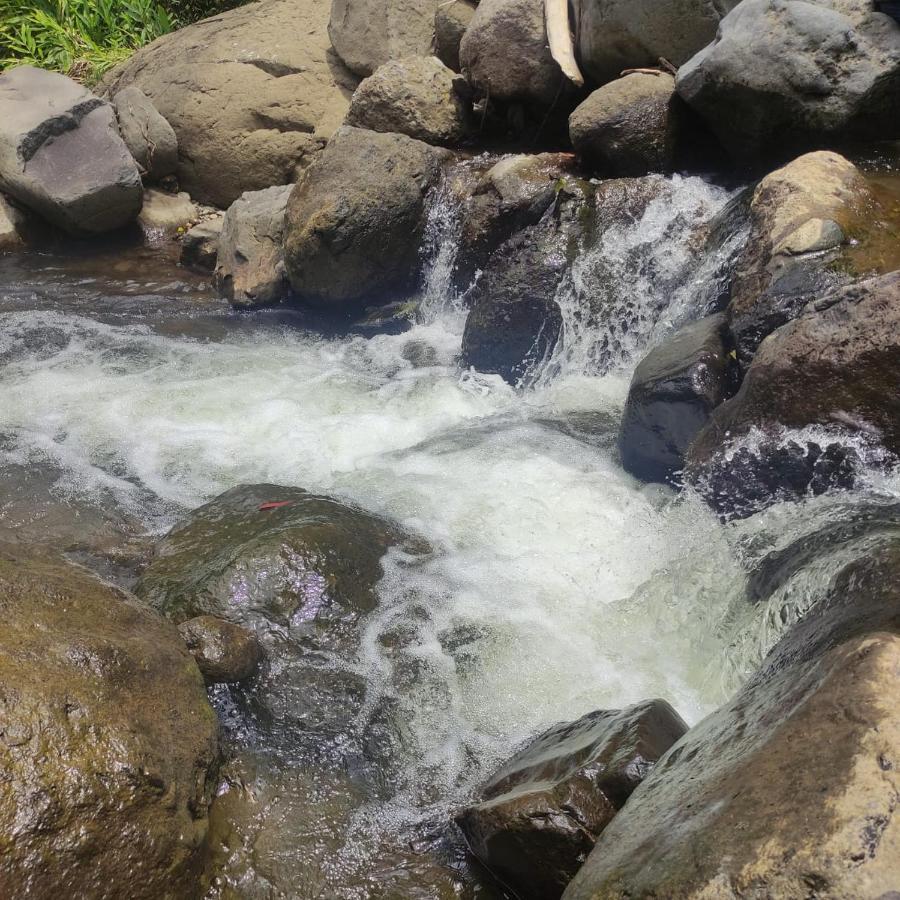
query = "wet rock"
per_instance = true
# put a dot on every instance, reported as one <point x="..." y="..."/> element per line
<point x="148" y="136"/>
<point x="450" y="23"/>
<point x="12" y="221"/>
<point x="166" y="212"/>
<point x="61" y="154"/>
<point x="792" y="75"/>
<point x="250" y="261"/>
<point x="108" y="745"/>
<point x="417" y="96"/>
<point x="628" y="127"/>
<point x="832" y="368"/>
<point x="368" y="33"/>
<point x="252" y="94"/>
<point x="504" y="53"/>
<point x="200" y="244"/>
<point x="623" y="34"/>
<point x="515" y="321"/>
<point x="673" y="393"/>
<point x="540" y="814"/>
<point x="224" y="652"/>
<point x="786" y="791"/>
<point x="355" y="221"/>
<point x="800" y="215"/>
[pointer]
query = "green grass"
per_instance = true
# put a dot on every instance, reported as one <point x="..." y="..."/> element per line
<point x="82" y="38"/>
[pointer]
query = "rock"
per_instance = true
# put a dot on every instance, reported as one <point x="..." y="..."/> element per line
<point x="368" y="33"/>
<point x="200" y="245"/>
<point x="12" y="220"/>
<point x="783" y="76"/>
<point x="450" y="23"/>
<point x="786" y="791"/>
<point x="541" y="813"/>
<point x="799" y="215"/>
<point x="61" y="154"/>
<point x="250" y="262"/>
<point x="833" y="368"/>
<point x="514" y="321"/>
<point x="673" y="393"/>
<point x="628" y="127"/>
<point x="166" y="212"/>
<point x="224" y="652"/>
<point x="504" y="53"/>
<point x="108" y="747"/>
<point x="417" y="96"/>
<point x="149" y="137"/>
<point x="252" y="94"/>
<point x="355" y="221"/>
<point x="622" y="34"/>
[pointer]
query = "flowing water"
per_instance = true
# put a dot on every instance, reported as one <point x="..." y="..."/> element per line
<point x="560" y="584"/>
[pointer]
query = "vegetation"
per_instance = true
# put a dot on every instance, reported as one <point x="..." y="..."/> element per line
<point x="82" y="38"/>
<point x="187" y="11"/>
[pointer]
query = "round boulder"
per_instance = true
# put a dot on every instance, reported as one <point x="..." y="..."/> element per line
<point x="417" y="96"/>
<point x="224" y="652"/>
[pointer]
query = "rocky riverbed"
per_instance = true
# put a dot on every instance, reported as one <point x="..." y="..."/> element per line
<point x="439" y="463"/>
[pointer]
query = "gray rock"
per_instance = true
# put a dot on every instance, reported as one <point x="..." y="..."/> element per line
<point x="541" y="813"/>
<point x="629" y="126"/>
<point x="504" y="53"/>
<point x="354" y="223"/>
<point x="673" y="393"/>
<point x="417" y="96"/>
<point x="784" y="76"/>
<point x="224" y="652"/>
<point x="149" y="137"/>
<point x="200" y="245"/>
<point x="166" y="212"/>
<point x="253" y="94"/>
<point x="11" y="222"/>
<point x="368" y="33"/>
<point x="61" y="154"/>
<point x="250" y="263"/>
<point x="450" y="23"/>
<point x="623" y="34"/>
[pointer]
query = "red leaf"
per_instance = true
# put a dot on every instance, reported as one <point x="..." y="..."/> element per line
<point x="275" y="505"/>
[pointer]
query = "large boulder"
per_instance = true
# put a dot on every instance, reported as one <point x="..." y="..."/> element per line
<point x="450" y="23"/>
<point x="673" y="392"/>
<point x="504" y="53"/>
<point x="368" y="33"/>
<point x="108" y="747"/>
<point x="784" y="76"/>
<point x="789" y="790"/>
<point x="417" y="96"/>
<point x="250" y="249"/>
<point x="61" y="154"/>
<point x="629" y="126"/>
<point x="833" y="368"/>
<point x="801" y="215"/>
<point x="355" y="221"/>
<point x="252" y="94"/>
<point x="622" y="34"/>
<point x="539" y="816"/>
<point x="148" y="136"/>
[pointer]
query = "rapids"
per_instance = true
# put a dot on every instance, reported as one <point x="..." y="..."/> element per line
<point x="559" y="584"/>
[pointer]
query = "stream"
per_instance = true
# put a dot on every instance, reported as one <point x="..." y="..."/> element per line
<point x="559" y="584"/>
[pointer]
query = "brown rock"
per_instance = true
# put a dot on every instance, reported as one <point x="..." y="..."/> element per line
<point x="224" y="652"/>
<point x="450" y="23"/>
<point x="200" y="245"/>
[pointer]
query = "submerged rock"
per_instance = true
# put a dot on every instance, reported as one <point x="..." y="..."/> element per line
<point x="368" y="33"/>
<point x="835" y="368"/>
<point x="623" y="34"/>
<point x="417" y="96"/>
<point x="108" y="747"/>
<point x="224" y="652"/>
<point x="250" y="250"/>
<point x="252" y="94"/>
<point x="789" y="789"/>
<point x="673" y="393"/>
<point x="539" y="816"/>
<point x="450" y="23"/>
<point x="148" y="136"/>
<point x="355" y="221"/>
<point x="783" y="76"/>
<point x="61" y="154"/>
<point x="628" y="127"/>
